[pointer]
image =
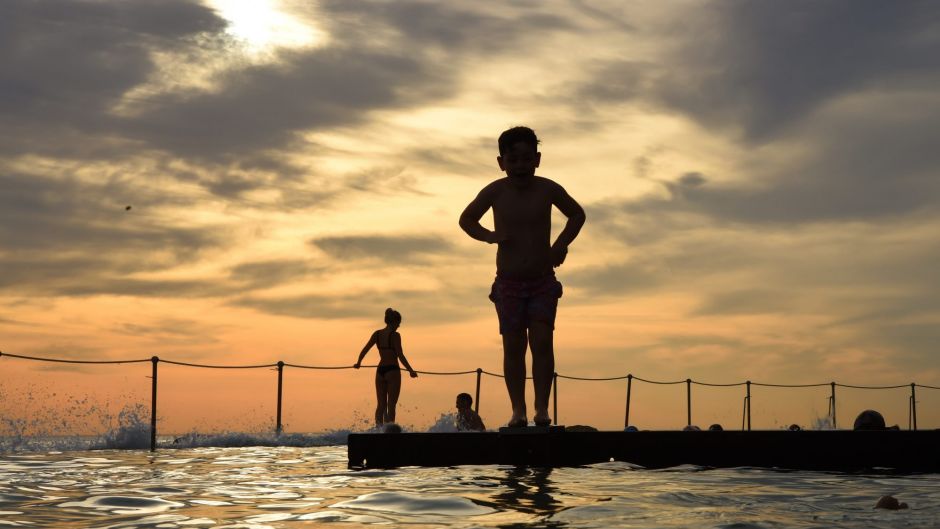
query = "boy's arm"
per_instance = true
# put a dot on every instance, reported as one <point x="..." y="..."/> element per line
<point x="364" y="351"/>
<point x="576" y="217"/>
<point x="396" y="343"/>
<point x="478" y="422"/>
<point x="470" y="218"/>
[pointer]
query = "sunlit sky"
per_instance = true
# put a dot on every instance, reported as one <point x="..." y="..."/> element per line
<point x="760" y="181"/>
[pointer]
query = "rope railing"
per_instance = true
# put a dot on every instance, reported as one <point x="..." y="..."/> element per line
<point x="210" y="366"/>
<point x="280" y="365"/>
<point x="791" y="385"/>
<point x="70" y="361"/>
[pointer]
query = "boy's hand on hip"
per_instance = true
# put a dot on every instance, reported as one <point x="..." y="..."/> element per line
<point x="558" y="255"/>
<point x="495" y="237"/>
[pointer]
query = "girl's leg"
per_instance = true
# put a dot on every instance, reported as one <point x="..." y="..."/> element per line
<point x="393" y="380"/>
<point x="381" y="397"/>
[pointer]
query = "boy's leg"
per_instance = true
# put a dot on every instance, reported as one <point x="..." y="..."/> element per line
<point x="514" y="346"/>
<point x="541" y="337"/>
<point x="540" y="312"/>
<point x="511" y="313"/>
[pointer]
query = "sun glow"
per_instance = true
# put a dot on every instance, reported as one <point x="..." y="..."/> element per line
<point x="263" y="24"/>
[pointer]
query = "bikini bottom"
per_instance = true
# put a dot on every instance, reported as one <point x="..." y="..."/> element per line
<point x="381" y="370"/>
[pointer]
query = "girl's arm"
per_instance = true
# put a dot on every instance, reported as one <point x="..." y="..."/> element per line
<point x="365" y="350"/>
<point x="396" y="342"/>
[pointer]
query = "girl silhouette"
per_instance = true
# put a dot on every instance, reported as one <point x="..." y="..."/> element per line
<point x="388" y="373"/>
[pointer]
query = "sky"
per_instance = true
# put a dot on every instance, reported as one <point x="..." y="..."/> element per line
<point x="760" y="181"/>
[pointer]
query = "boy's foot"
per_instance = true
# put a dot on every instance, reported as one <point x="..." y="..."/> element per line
<point x="542" y="421"/>
<point x="518" y="422"/>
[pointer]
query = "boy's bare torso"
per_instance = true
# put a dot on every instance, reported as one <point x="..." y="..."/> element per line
<point x="522" y="217"/>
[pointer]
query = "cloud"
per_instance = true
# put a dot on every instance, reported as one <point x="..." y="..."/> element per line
<point x="750" y="302"/>
<point x="384" y="179"/>
<point x="616" y="279"/>
<point x="867" y="158"/>
<point x="69" y="215"/>
<point x="73" y="69"/>
<point x="67" y="64"/>
<point x="841" y="99"/>
<point x="758" y="68"/>
<point x="263" y="107"/>
<point x="393" y="250"/>
<point x="15" y="322"/>
<point x="423" y="306"/>
<point x="177" y="333"/>
<point x="65" y="236"/>
<point x="383" y="56"/>
<point x="454" y="27"/>
<point x="261" y="274"/>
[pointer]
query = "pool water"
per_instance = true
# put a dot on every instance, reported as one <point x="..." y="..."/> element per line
<point x="285" y="487"/>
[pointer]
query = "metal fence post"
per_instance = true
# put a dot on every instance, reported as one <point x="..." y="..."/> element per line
<point x="832" y="401"/>
<point x="280" y="385"/>
<point x="476" y="400"/>
<point x="913" y="408"/>
<point x="153" y="404"/>
<point x="626" y="417"/>
<point x="749" y="405"/>
<point x="688" y="401"/>
<point x="555" y="399"/>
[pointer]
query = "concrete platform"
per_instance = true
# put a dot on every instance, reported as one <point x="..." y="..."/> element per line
<point x="907" y="451"/>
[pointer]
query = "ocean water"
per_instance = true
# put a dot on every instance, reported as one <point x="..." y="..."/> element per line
<point x="211" y="481"/>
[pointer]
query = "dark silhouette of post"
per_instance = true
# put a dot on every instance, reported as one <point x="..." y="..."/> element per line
<point x="476" y="402"/>
<point x="688" y="401"/>
<point x="832" y="403"/>
<point x="280" y="385"/>
<point x="555" y="399"/>
<point x="153" y="405"/>
<point x="913" y="425"/>
<point x="748" y="405"/>
<point x="626" y="417"/>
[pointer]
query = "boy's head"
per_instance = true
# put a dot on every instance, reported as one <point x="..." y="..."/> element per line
<point x="519" y="154"/>
<point x="464" y="401"/>
<point x="516" y="135"/>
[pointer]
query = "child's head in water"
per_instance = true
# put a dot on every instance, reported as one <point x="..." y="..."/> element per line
<point x="392" y="318"/>
<point x="467" y="420"/>
<point x="464" y="401"/>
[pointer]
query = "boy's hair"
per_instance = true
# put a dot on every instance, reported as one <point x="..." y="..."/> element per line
<point x="466" y="397"/>
<point x="515" y="135"/>
<point x="392" y="316"/>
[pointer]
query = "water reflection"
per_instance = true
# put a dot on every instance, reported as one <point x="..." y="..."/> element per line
<point x="527" y="490"/>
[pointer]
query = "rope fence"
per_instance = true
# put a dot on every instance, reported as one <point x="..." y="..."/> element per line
<point x="280" y="365"/>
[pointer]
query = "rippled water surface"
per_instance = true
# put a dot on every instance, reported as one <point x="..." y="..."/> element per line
<point x="262" y="487"/>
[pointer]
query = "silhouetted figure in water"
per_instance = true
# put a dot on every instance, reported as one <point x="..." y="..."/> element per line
<point x="388" y="372"/>
<point x="891" y="503"/>
<point x="525" y="291"/>
<point x="871" y="420"/>
<point x="467" y="420"/>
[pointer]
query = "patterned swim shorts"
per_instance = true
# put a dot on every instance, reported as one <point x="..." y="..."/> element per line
<point x="518" y="303"/>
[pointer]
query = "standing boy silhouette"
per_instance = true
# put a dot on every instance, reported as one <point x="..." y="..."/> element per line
<point x="525" y="291"/>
